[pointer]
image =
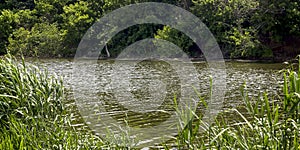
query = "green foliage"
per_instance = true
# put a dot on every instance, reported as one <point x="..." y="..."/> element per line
<point x="33" y="111"/>
<point x="268" y="123"/>
<point x="176" y="37"/>
<point x="46" y="10"/>
<point x="77" y="19"/>
<point x="42" y="40"/>
<point x="25" y="18"/>
<point x="243" y="28"/>
<point x="229" y="21"/>
<point x="280" y="19"/>
<point x="7" y="21"/>
<point x="17" y="4"/>
<point x="28" y="100"/>
<point x="27" y="93"/>
<point x="130" y="36"/>
<point x="10" y="21"/>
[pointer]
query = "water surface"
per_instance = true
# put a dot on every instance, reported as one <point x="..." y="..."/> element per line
<point x="141" y="95"/>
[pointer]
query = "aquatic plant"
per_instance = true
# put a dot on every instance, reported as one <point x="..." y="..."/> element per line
<point x="270" y="122"/>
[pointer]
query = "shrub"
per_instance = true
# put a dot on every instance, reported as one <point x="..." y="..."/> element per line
<point x="44" y="40"/>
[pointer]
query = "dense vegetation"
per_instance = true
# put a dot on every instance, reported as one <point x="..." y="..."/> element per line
<point x="243" y="28"/>
<point x="34" y="115"/>
<point x="33" y="110"/>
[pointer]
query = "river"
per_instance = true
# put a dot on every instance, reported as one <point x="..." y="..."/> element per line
<point x="133" y="97"/>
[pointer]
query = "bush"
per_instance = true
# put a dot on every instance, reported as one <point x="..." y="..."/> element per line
<point x="43" y="40"/>
<point x="7" y="21"/>
<point x="231" y="24"/>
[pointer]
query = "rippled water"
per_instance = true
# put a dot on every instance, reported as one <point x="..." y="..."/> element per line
<point x="141" y="95"/>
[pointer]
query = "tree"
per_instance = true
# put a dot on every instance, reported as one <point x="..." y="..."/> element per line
<point x="176" y="37"/>
<point x="129" y="36"/>
<point x="50" y="10"/>
<point x="230" y="22"/>
<point x="17" y="4"/>
<point x="25" y="18"/>
<point x="8" y="23"/>
<point x="43" y="40"/>
<point x="279" y="23"/>
<point x="77" y="18"/>
<point x="280" y="18"/>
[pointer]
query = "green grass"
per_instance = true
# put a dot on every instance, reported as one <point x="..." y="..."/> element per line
<point x="271" y="123"/>
<point x="34" y="115"/>
<point x="32" y="111"/>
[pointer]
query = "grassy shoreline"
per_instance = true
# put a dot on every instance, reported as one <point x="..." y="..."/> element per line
<point x="33" y="111"/>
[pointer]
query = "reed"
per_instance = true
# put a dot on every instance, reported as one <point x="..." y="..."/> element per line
<point x="33" y="114"/>
<point x="271" y="122"/>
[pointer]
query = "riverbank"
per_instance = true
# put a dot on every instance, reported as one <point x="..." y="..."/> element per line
<point x="245" y="60"/>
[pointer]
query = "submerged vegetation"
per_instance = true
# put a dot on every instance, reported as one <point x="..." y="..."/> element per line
<point x="35" y="115"/>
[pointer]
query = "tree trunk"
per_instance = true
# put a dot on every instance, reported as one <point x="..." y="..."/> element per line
<point x="107" y="52"/>
<point x="186" y="4"/>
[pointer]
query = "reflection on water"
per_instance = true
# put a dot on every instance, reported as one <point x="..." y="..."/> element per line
<point x="146" y="98"/>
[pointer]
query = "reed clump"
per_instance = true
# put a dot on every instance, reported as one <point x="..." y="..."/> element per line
<point x="269" y="123"/>
<point x="33" y="114"/>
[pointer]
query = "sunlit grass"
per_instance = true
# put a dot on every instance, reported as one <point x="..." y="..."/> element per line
<point x="32" y="111"/>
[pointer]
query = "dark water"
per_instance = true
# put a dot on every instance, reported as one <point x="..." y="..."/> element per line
<point x="141" y="95"/>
